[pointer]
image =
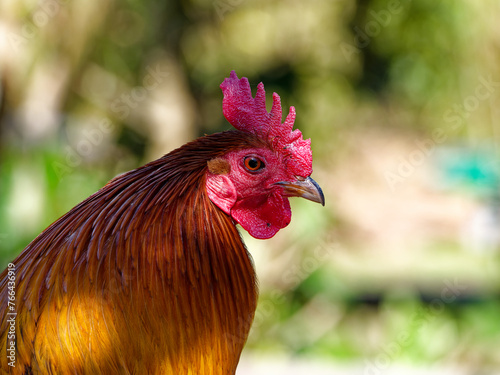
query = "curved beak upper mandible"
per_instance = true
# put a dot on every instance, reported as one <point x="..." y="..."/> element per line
<point x="303" y="187"/>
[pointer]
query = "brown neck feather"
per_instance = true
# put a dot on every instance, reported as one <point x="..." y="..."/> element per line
<point x="163" y="268"/>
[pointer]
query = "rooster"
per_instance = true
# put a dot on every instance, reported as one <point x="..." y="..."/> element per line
<point x="149" y="275"/>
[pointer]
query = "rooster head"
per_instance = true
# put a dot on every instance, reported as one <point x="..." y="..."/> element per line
<point x="252" y="185"/>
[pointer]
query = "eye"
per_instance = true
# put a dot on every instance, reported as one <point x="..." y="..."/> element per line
<point x="253" y="164"/>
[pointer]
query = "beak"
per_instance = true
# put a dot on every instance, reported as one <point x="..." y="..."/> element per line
<point x="303" y="187"/>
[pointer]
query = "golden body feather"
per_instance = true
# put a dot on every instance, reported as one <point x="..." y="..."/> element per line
<point x="146" y="276"/>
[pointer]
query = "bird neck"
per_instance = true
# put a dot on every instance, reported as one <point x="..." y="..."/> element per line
<point x="188" y="256"/>
<point x="146" y="265"/>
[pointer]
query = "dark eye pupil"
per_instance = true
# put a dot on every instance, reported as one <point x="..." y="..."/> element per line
<point x="253" y="163"/>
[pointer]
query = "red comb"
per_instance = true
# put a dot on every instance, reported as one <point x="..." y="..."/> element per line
<point x="249" y="114"/>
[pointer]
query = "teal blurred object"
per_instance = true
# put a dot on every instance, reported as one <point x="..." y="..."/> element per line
<point x="474" y="169"/>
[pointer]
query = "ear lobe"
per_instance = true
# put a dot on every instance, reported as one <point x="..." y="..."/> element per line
<point x="221" y="191"/>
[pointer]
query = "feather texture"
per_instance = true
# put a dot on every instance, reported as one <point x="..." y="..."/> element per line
<point x="146" y="276"/>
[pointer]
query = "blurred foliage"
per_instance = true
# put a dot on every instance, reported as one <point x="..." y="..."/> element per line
<point x="92" y="89"/>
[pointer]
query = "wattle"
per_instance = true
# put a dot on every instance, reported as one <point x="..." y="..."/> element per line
<point x="262" y="216"/>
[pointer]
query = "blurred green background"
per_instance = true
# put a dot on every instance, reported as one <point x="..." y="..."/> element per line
<point x="399" y="271"/>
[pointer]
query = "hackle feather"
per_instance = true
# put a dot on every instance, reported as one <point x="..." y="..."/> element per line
<point x="146" y="276"/>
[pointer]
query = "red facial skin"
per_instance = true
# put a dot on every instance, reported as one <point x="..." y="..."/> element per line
<point x="250" y="197"/>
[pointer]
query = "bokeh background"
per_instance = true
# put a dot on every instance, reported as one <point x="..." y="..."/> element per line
<point x="399" y="272"/>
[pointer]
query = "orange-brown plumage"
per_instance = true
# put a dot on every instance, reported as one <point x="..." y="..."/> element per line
<point x="134" y="255"/>
<point x="149" y="275"/>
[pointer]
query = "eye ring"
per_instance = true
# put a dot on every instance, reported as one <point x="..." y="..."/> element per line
<point x="253" y="164"/>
